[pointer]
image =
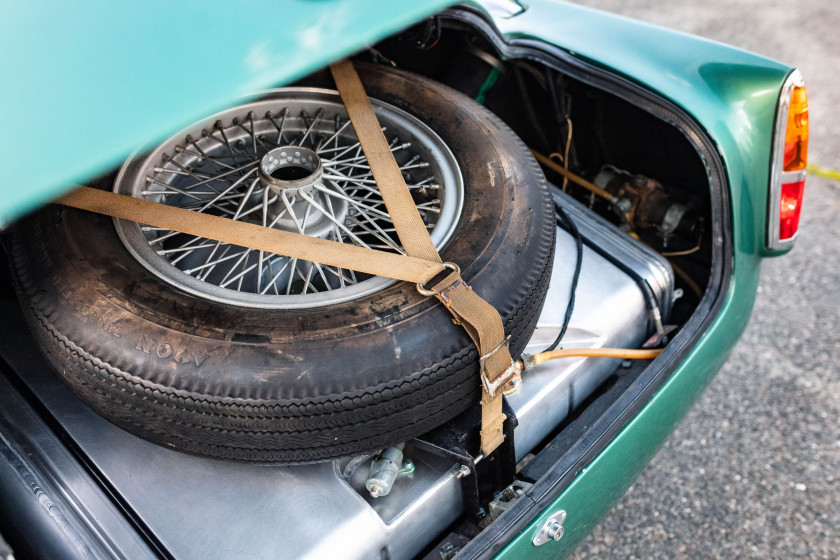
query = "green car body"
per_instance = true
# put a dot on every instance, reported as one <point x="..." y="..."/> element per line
<point x="99" y="83"/>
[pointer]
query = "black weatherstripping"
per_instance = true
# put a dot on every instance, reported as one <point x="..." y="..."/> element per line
<point x="28" y="511"/>
<point x="21" y="343"/>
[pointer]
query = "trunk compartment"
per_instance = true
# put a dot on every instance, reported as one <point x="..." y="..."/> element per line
<point x="204" y="508"/>
<point x="323" y="510"/>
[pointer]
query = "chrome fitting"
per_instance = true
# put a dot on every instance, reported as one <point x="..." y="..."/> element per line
<point x="384" y="470"/>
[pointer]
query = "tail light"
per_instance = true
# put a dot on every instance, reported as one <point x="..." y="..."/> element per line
<point x="789" y="160"/>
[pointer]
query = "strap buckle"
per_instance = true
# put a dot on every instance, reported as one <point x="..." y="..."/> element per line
<point x="492" y="387"/>
<point x="427" y="292"/>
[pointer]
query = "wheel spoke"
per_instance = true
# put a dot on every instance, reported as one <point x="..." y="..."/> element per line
<point x="344" y="228"/>
<point x="279" y="127"/>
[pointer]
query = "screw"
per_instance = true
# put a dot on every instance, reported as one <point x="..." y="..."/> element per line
<point x="463" y="471"/>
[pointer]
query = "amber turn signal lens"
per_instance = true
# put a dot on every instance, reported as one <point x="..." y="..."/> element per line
<point x="796" y="134"/>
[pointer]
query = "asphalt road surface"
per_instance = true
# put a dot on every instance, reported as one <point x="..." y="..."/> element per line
<point x="754" y="470"/>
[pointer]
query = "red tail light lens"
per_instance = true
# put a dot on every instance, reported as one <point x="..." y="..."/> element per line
<point x="790" y="209"/>
<point x="790" y="158"/>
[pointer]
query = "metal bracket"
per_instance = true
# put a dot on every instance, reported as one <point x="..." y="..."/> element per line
<point x="492" y="387"/>
<point x="551" y="530"/>
<point x="506" y="498"/>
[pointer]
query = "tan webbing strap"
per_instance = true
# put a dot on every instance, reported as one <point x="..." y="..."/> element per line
<point x="384" y="168"/>
<point x="252" y="236"/>
<point x="481" y="321"/>
<point x="484" y="325"/>
<point x="478" y="317"/>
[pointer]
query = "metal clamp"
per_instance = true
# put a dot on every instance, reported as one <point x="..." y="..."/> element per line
<point x="492" y="387"/>
<point x="427" y="292"/>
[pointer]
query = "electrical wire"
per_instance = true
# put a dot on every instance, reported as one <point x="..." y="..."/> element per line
<point x="651" y="304"/>
<point x="563" y="219"/>
<point x="681" y="253"/>
<point x="537" y="125"/>
<point x="563" y="117"/>
<point x="565" y="156"/>
<point x="577" y="179"/>
<point x="686" y="252"/>
<point x="647" y="292"/>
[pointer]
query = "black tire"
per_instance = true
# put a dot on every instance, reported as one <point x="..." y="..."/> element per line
<point x="292" y="386"/>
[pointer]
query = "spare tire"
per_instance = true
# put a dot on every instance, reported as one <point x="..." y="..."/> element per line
<point x="210" y="372"/>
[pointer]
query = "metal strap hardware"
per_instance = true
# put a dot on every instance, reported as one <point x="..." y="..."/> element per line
<point x="492" y="387"/>
<point x="427" y="292"/>
<point x="446" y="294"/>
<point x="420" y="264"/>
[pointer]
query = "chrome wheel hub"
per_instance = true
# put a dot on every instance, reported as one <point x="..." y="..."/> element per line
<point x="292" y="175"/>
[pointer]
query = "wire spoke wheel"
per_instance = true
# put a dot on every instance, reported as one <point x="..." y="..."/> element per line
<point x="288" y="160"/>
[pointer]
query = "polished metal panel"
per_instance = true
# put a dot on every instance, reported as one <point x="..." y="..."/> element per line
<point x="207" y="508"/>
<point x="640" y="258"/>
<point x="609" y="312"/>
